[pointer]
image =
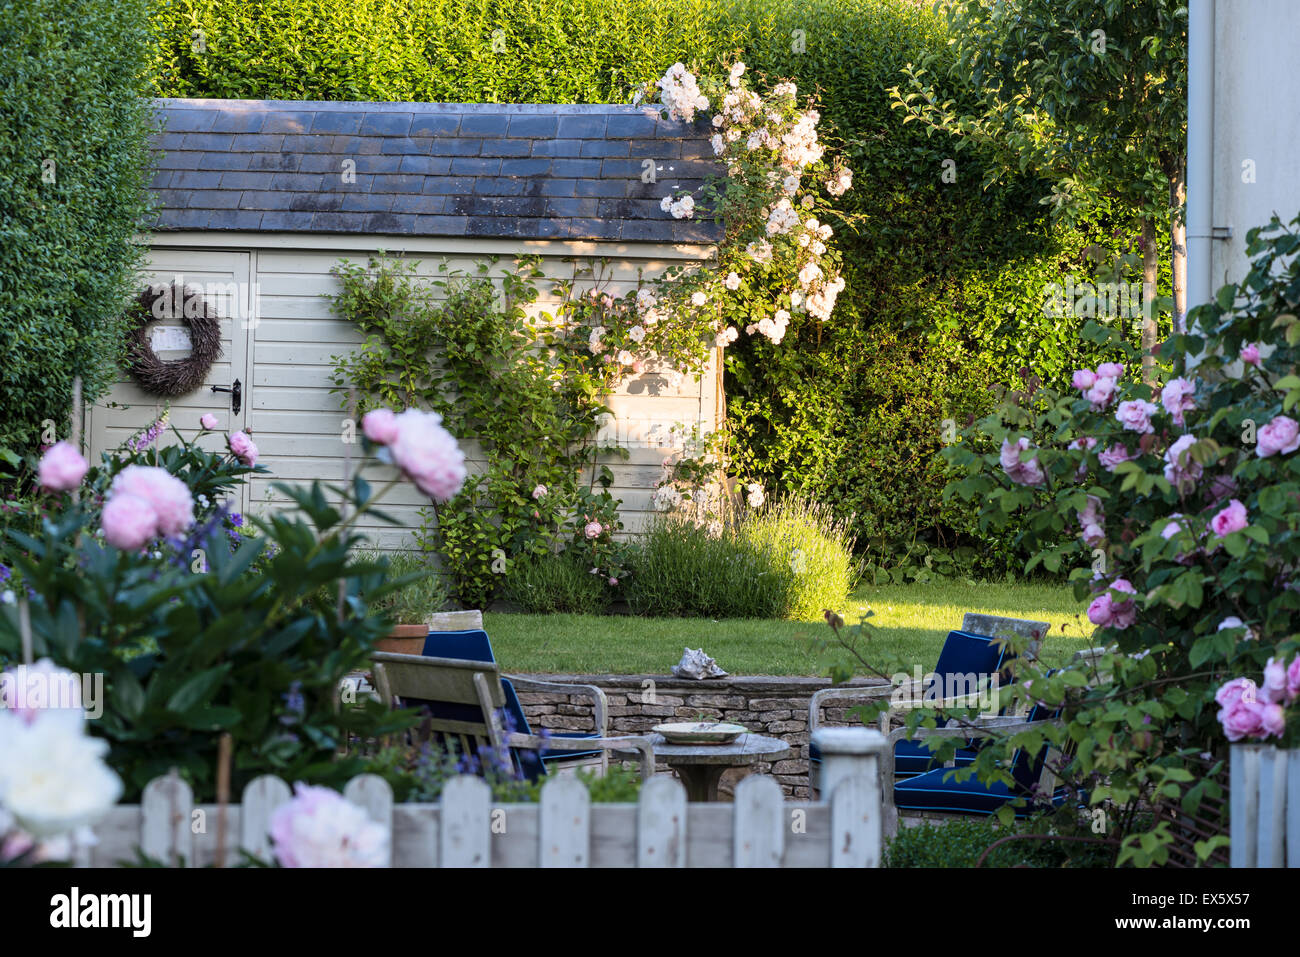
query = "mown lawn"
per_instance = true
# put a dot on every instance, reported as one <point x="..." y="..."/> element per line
<point x="911" y="622"/>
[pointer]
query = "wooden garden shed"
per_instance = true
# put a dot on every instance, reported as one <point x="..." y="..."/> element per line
<point x="258" y="200"/>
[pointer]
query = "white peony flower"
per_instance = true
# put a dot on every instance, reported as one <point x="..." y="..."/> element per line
<point x="53" y="779"/>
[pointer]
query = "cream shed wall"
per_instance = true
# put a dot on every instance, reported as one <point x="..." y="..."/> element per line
<point x="280" y="340"/>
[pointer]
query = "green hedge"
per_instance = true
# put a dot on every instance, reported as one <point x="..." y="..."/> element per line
<point x="944" y="279"/>
<point x="71" y="76"/>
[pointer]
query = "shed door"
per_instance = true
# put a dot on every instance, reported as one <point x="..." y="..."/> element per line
<point x="223" y="279"/>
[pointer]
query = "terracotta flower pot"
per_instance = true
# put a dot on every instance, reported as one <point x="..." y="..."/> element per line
<point x="404" y="640"/>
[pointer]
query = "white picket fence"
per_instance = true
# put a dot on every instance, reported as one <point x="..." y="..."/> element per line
<point x="1265" y="806"/>
<point x="466" y="829"/>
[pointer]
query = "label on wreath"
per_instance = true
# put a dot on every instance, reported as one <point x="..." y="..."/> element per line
<point x="170" y="339"/>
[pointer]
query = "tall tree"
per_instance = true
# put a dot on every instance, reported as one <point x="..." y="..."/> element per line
<point x="1088" y="94"/>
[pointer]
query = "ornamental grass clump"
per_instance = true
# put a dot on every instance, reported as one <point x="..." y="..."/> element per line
<point x="815" y="546"/>
<point x="790" y="560"/>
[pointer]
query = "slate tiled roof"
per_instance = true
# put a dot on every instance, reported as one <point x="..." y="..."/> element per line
<point x="527" y="171"/>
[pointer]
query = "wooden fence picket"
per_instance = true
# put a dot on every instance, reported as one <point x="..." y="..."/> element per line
<point x="166" y="821"/>
<point x="856" y="823"/>
<point x="564" y="827"/>
<point x="371" y="792"/>
<point x="759" y="824"/>
<point x="261" y="797"/>
<point x="661" y="824"/>
<point x="465" y="838"/>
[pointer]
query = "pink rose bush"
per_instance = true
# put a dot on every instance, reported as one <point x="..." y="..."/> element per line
<point x="1108" y="612"/>
<point x="1230" y="519"/>
<point x="319" y="828"/>
<point x="1022" y="473"/>
<point x="1135" y="415"/>
<point x="1250" y="712"/>
<point x="208" y="421"/>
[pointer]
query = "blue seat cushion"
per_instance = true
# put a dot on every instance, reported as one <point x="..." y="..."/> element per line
<point x="910" y="757"/>
<point x="930" y="792"/>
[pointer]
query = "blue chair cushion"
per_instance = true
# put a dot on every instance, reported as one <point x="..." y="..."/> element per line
<point x="910" y="758"/>
<point x="930" y="792"/>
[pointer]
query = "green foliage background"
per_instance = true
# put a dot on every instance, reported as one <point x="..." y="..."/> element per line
<point x="71" y="75"/>
<point x="945" y="280"/>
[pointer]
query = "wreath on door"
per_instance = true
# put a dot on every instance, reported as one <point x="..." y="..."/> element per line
<point x="173" y="377"/>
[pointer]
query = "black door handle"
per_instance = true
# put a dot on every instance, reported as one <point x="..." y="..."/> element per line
<point x="236" y="395"/>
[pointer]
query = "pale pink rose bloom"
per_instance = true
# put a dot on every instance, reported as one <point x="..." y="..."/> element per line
<point x="1274" y="686"/>
<point x="1093" y="535"/>
<point x="167" y="496"/>
<point x="1135" y="415"/>
<point x="1181" y="470"/>
<point x="1250" y="353"/>
<point x="1293" y="679"/>
<point x="1101" y="392"/>
<point x="243" y="448"/>
<point x="593" y="530"/>
<point x="62" y="467"/>
<point x="1280" y="435"/>
<point x="208" y="421"/>
<point x="1221" y="486"/>
<point x="429" y="455"/>
<point x="1087" y="443"/>
<point x="380" y="426"/>
<point x="539" y="492"/>
<point x="1123" y="612"/>
<point x="1173" y="527"/>
<point x="1176" y="397"/>
<point x="1232" y="518"/>
<point x="1113" y="456"/>
<point x="613" y="580"/>
<point x="128" y="522"/>
<point x="1238" y="689"/>
<point x="1101" y="611"/>
<point x="1272" y="720"/>
<point x="1083" y="379"/>
<point x="1022" y="473"/>
<point x="1242" y="719"/>
<point x="1110" y="370"/>
<point x="1092" y="513"/>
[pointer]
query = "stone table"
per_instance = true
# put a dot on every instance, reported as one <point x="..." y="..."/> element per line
<point x="700" y="766"/>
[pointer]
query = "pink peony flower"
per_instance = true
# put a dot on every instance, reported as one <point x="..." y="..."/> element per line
<point x="1280" y="435"/>
<point x="1176" y="397"/>
<point x="1293" y="679"/>
<point x="539" y="492"/>
<point x="62" y="467"/>
<point x="1113" y="456"/>
<point x="243" y="448"/>
<point x="319" y="828"/>
<point x="429" y="455"/>
<point x="1181" y="470"/>
<point x="1250" y="353"/>
<point x="1232" y="518"/>
<point x="593" y="530"/>
<point x="167" y="497"/>
<point x="1135" y="415"/>
<point x="128" y="522"/>
<point x="208" y="421"/>
<point x="1022" y="473"/>
<point x="380" y="426"/>
<point x="1100" y="611"/>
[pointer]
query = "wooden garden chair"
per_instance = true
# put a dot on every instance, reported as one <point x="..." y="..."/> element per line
<point x="466" y="701"/>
